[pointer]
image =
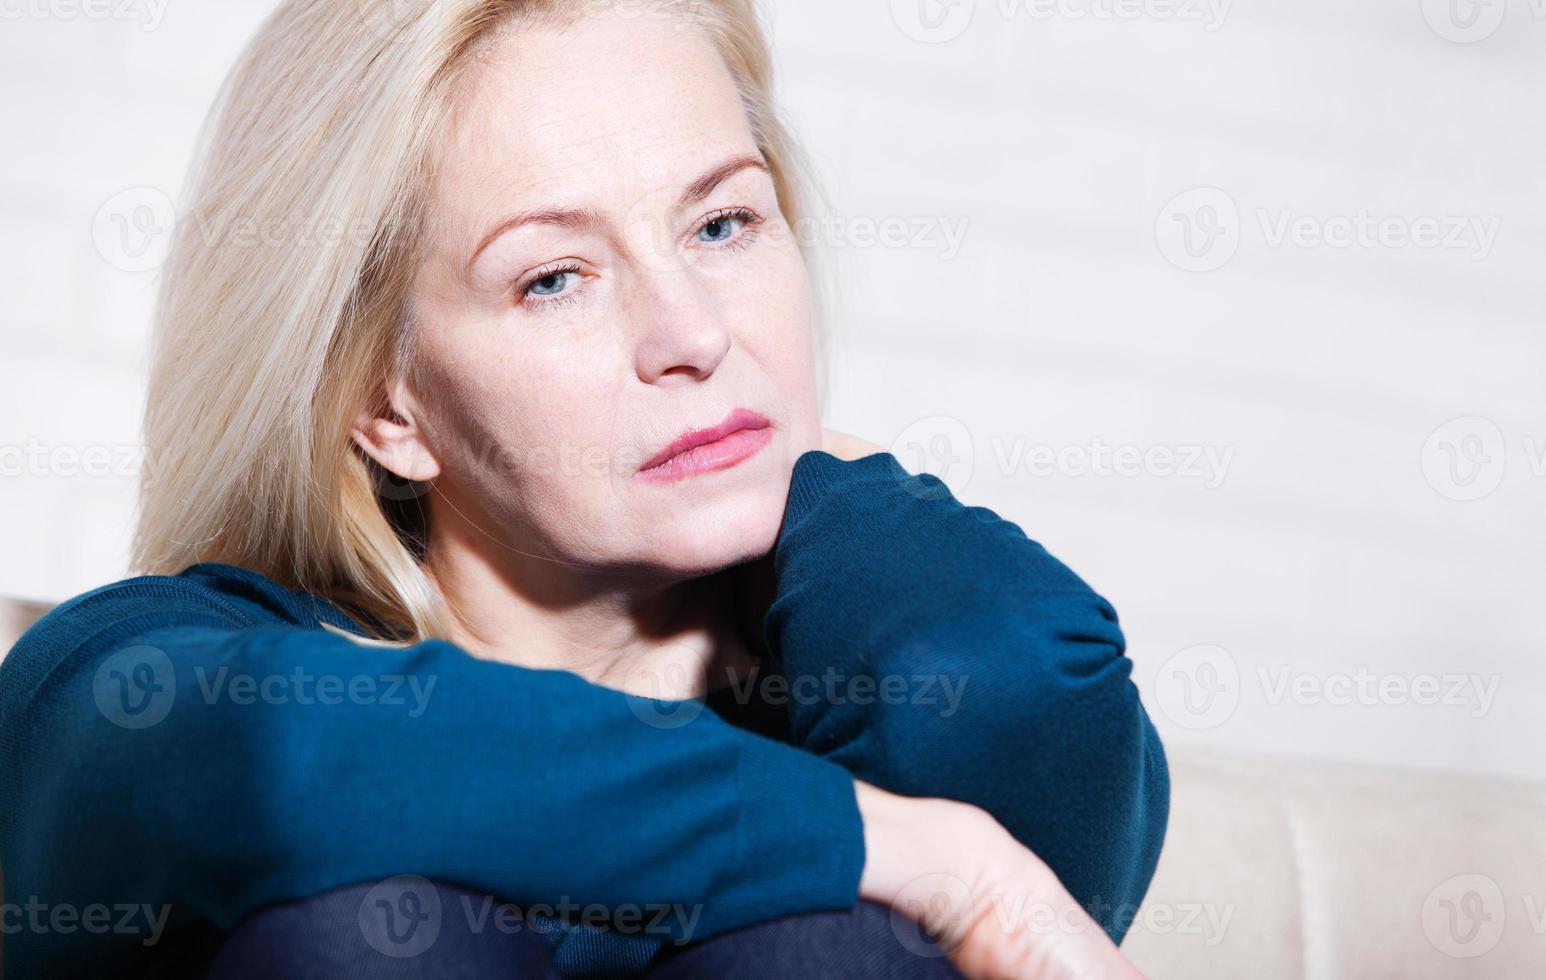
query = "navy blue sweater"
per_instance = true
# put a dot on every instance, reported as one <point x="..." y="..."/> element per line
<point x="183" y="750"/>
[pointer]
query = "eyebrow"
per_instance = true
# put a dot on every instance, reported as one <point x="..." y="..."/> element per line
<point x="581" y="218"/>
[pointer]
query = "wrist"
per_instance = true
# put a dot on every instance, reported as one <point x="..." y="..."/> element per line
<point x="907" y="838"/>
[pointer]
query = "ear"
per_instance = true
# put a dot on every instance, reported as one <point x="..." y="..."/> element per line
<point x="389" y="432"/>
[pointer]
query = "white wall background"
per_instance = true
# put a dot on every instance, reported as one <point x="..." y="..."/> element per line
<point x="1310" y="592"/>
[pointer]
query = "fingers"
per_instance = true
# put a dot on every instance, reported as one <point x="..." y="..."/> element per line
<point x="1030" y="928"/>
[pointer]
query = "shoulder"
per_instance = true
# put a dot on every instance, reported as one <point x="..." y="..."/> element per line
<point x="205" y="595"/>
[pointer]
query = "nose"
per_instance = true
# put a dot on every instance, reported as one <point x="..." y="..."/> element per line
<point x="681" y="332"/>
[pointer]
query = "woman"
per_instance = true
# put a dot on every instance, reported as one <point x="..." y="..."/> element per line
<point x="492" y="549"/>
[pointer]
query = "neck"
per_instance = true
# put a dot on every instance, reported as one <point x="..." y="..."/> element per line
<point x="625" y="630"/>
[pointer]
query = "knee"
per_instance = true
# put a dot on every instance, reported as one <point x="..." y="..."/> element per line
<point x="404" y="927"/>
<point x="866" y="942"/>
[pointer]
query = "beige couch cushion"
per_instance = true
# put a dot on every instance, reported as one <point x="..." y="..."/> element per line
<point x="1275" y="868"/>
<point x="15" y="617"/>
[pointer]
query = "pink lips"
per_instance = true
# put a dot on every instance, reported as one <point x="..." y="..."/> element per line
<point x="737" y="438"/>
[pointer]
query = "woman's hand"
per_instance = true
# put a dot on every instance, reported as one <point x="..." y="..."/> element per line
<point x="990" y="904"/>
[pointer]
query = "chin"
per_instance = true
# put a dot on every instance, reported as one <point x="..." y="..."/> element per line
<point x="708" y="535"/>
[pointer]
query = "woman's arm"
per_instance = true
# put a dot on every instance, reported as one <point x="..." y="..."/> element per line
<point x="164" y="752"/>
<point x="946" y="654"/>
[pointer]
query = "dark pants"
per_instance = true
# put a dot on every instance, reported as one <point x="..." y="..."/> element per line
<point x="328" y="936"/>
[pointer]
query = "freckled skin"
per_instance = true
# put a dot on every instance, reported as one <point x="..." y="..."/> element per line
<point x="536" y="410"/>
<point x="606" y="115"/>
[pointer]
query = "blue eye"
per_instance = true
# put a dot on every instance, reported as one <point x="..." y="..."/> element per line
<point x="724" y="227"/>
<point x="551" y="284"/>
<point x="552" y="287"/>
<point x="720" y="229"/>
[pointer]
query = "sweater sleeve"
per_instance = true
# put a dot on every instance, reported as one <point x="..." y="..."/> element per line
<point x="944" y="653"/>
<point x="160" y="751"/>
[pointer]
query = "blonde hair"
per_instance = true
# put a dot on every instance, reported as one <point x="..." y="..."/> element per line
<point x="266" y="350"/>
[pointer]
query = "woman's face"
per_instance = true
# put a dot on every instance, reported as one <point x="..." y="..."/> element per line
<point x="608" y="269"/>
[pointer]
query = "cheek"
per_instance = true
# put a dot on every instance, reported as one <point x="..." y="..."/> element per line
<point x="529" y="423"/>
<point x="778" y="330"/>
<point x="769" y="305"/>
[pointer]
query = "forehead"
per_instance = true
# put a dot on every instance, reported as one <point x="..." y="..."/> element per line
<point x="599" y="111"/>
